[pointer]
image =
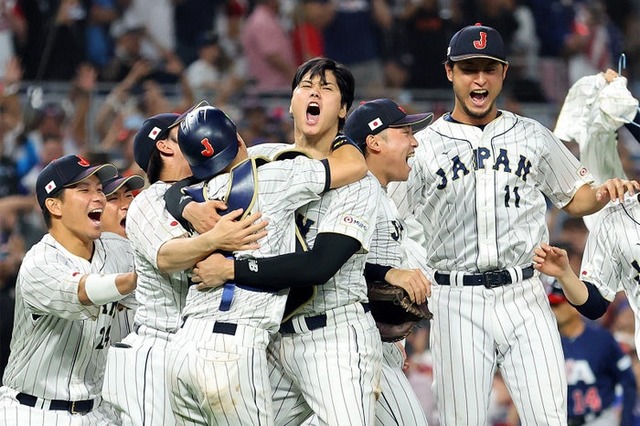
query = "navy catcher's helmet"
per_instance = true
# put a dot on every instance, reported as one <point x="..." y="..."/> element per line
<point x="208" y="139"/>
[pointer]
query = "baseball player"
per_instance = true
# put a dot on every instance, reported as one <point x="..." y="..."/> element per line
<point x="237" y="391"/>
<point x="119" y="194"/>
<point x="160" y="256"/>
<point x="385" y="133"/>
<point x="476" y="193"/>
<point x="609" y="264"/>
<point x="595" y="366"/>
<point x="66" y="296"/>
<point x="326" y="359"/>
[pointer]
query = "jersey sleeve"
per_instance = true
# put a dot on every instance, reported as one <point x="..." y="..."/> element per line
<point x="353" y="211"/>
<point x="150" y="225"/>
<point x="49" y="286"/>
<point x="561" y="174"/>
<point x="601" y="260"/>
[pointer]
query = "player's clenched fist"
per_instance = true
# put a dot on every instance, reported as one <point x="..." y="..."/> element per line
<point x="213" y="271"/>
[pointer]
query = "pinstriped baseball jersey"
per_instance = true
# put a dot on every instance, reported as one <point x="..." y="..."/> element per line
<point x="160" y="296"/>
<point x="59" y="346"/>
<point x="283" y="186"/>
<point x="386" y="248"/>
<point x="501" y="173"/>
<point x="349" y="210"/>
<point x="611" y="259"/>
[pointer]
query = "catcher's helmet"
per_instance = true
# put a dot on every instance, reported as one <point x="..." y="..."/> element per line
<point x="208" y="140"/>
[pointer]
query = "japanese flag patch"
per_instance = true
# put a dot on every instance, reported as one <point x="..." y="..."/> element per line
<point x="153" y="134"/>
<point x="374" y="124"/>
<point x="50" y="187"/>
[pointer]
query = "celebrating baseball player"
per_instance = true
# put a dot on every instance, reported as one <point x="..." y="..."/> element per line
<point x="66" y="296"/>
<point x="338" y="228"/>
<point x="476" y="193"/>
<point x="161" y="255"/>
<point x="119" y="194"/>
<point x="236" y="322"/>
<point x="595" y="366"/>
<point x="385" y="133"/>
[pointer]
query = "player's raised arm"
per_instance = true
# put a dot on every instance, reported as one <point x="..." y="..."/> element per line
<point x="346" y="162"/>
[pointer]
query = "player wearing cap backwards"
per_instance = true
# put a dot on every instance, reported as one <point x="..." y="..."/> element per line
<point x="135" y="375"/>
<point x="340" y="381"/>
<point x="385" y="133"/>
<point x="595" y="366"/>
<point x="119" y="193"/>
<point x="66" y="296"/>
<point x="477" y="195"/>
<point x="236" y="322"/>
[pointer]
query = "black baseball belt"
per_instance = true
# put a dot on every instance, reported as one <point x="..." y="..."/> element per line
<point x="73" y="407"/>
<point x="489" y="279"/>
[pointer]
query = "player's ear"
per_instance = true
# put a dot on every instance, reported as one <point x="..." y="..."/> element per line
<point x="53" y="205"/>
<point x="449" y="70"/>
<point x="164" y="147"/>
<point x="373" y="143"/>
<point x="343" y="111"/>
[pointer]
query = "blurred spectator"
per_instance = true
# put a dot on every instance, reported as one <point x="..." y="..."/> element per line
<point x="128" y="35"/>
<point x="55" y="39"/>
<point x="353" y="38"/>
<point x="428" y="34"/>
<point x="268" y="49"/>
<point x="595" y="367"/>
<point x="212" y="76"/>
<point x="157" y="18"/>
<point x="310" y="18"/>
<point x="12" y="25"/>
<point x="193" y="18"/>
<point x="420" y="371"/>
<point x="99" y="42"/>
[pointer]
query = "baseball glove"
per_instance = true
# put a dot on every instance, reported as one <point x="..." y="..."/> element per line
<point x="393" y="310"/>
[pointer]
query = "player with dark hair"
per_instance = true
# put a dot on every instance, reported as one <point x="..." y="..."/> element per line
<point x="595" y="366"/>
<point x="338" y="228"/>
<point x="66" y="296"/>
<point x="384" y="132"/>
<point x="475" y="200"/>
<point x="238" y="321"/>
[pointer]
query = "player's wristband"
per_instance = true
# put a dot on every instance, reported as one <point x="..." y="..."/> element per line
<point x="102" y="289"/>
<point x="342" y="140"/>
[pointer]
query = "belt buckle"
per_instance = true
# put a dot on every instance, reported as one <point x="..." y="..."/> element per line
<point x="72" y="410"/>
<point x="493" y="279"/>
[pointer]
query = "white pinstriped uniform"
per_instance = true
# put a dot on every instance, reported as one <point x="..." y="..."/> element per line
<point x="333" y="371"/>
<point x="611" y="259"/>
<point x="478" y="195"/>
<point x="135" y="375"/>
<point x="398" y="403"/>
<point x="59" y="346"/>
<point x="229" y="371"/>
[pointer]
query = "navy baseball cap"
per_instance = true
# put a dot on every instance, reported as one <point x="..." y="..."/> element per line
<point x="555" y="293"/>
<point x="132" y="182"/>
<point x="154" y="129"/>
<point x="477" y="41"/>
<point x="68" y="171"/>
<point x="372" y="117"/>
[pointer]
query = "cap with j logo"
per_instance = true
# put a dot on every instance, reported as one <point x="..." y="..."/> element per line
<point x="477" y="41"/>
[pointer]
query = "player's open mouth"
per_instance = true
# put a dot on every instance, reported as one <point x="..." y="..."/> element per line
<point x="123" y="222"/>
<point x="313" y="113"/>
<point x="478" y="96"/>
<point x="95" y="215"/>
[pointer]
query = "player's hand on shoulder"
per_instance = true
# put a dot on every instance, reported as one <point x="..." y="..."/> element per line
<point x="550" y="260"/>
<point x="212" y="272"/>
<point x="203" y="216"/>
<point x="614" y="189"/>
<point x="413" y="281"/>
<point x="231" y="234"/>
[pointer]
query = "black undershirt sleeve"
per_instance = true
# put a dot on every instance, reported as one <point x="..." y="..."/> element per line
<point x="595" y="306"/>
<point x="375" y="272"/>
<point x="314" y="267"/>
